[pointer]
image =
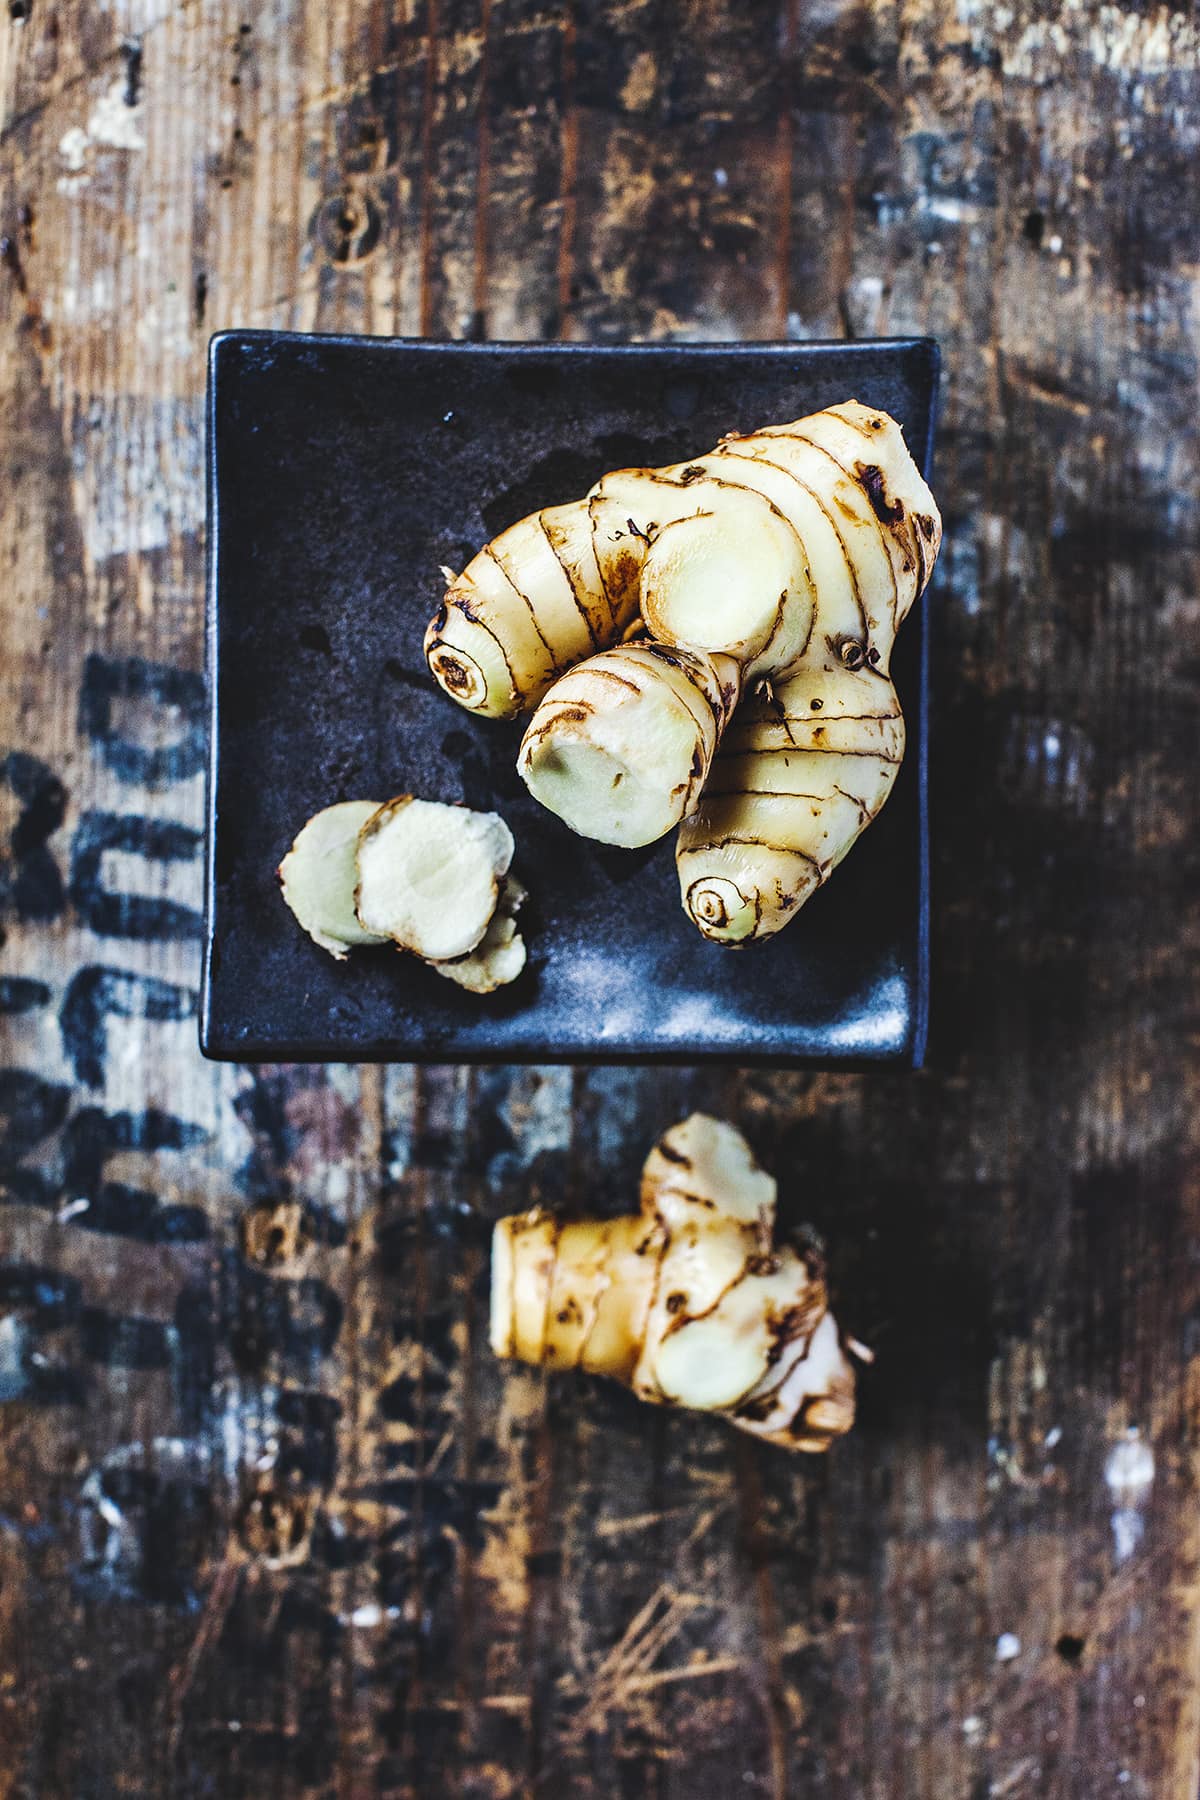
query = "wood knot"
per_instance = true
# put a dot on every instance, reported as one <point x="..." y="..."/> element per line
<point x="275" y="1526"/>
<point x="274" y="1233"/>
<point x="348" y="226"/>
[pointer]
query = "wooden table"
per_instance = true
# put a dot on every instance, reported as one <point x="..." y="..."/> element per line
<point x="272" y="1521"/>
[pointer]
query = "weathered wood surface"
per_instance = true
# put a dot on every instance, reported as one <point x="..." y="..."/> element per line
<point x="271" y="1520"/>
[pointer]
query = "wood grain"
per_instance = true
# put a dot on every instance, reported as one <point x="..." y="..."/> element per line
<point x="272" y="1521"/>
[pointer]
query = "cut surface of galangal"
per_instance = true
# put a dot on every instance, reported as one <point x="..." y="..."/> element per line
<point x="620" y="747"/>
<point x="500" y="954"/>
<point x="724" y="579"/>
<point x="319" y="874"/>
<point x="429" y="875"/>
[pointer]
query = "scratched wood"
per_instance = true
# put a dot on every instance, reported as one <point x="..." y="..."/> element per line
<point x="271" y="1519"/>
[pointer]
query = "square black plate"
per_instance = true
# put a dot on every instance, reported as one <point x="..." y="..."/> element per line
<point x="342" y="473"/>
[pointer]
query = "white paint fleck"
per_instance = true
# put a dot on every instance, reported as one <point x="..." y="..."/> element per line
<point x="137" y="16"/>
<point x="945" y="206"/>
<point x="72" y="148"/>
<point x="1008" y="1646"/>
<point x="1129" y="1473"/>
<point x="365" y="1617"/>
<point x="114" y="123"/>
<point x="108" y="1509"/>
<point x="973" y="1727"/>
<point x="399" y="1087"/>
<point x="346" y="1081"/>
<point x="1053" y="1437"/>
<point x="72" y="1210"/>
<point x="13" y="1348"/>
<point x="1129" y="1470"/>
<point x="178" y="1449"/>
<point x="720" y="178"/>
<point x="1128" y="1531"/>
<point x="868" y="288"/>
<point x="233" y="1436"/>
<point x="865" y="298"/>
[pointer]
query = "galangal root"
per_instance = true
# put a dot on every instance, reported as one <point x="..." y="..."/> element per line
<point x="431" y="879"/>
<point x="771" y="577"/>
<point x="690" y="1302"/>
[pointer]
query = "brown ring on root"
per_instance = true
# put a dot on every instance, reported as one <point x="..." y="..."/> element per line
<point x="713" y="901"/>
<point x="458" y="673"/>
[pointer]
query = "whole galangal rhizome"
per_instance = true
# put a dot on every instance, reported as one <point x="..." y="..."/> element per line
<point x="707" y="646"/>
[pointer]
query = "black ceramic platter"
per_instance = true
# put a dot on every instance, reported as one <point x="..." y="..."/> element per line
<point x="342" y="474"/>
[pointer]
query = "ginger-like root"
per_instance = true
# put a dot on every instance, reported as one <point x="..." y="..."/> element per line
<point x="429" y="875"/>
<point x="429" y="878"/>
<point x="541" y="596"/>
<point x="722" y="568"/>
<point x="621" y="747"/>
<point x="802" y="771"/>
<point x="499" y="956"/>
<point x="794" y="551"/>
<point x="689" y="1302"/>
<point x="319" y="874"/>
